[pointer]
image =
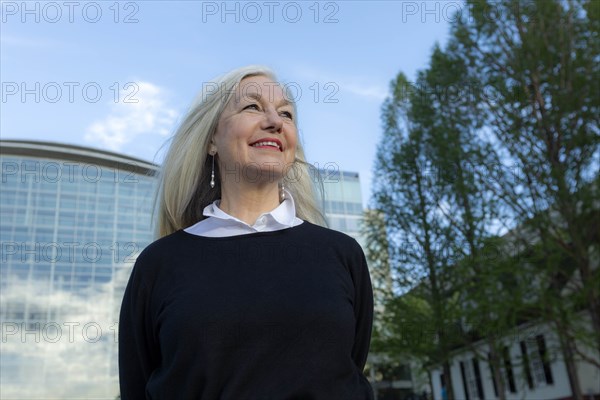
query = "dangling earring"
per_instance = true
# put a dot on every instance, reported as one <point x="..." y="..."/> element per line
<point x="212" y="173"/>
<point x="281" y="192"/>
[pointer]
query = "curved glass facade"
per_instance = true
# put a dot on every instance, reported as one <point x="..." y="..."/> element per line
<point x="72" y="222"/>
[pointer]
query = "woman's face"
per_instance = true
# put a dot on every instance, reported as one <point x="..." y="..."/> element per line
<point x="256" y="134"/>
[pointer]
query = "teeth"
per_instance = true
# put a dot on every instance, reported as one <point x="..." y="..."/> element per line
<point x="273" y="144"/>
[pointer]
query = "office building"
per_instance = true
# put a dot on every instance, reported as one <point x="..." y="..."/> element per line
<point x="343" y="201"/>
<point x="72" y="221"/>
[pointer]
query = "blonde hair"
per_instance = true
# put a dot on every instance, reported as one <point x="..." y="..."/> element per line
<point x="184" y="178"/>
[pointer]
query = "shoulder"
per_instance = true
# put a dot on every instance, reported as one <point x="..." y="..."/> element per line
<point x="328" y="233"/>
<point x="332" y="238"/>
<point x="163" y="245"/>
<point x="339" y="247"/>
<point x="164" y="250"/>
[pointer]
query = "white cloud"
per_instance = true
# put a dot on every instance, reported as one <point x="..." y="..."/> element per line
<point x="360" y="86"/>
<point x="141" y="109"/>
<point x="370" y="91"/>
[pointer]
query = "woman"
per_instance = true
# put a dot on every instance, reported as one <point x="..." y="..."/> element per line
<point x="244" y="296"/>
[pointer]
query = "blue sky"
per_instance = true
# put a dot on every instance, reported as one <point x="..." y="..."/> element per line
<point x="69" y="71"/>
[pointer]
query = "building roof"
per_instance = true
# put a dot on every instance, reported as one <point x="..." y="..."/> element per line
<point x="69" y="152"/>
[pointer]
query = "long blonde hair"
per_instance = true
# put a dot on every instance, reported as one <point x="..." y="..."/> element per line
<point x="184" y="178"/>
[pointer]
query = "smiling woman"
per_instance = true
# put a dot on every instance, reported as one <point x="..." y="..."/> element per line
<point x="194" y="158"/>
<point x="245" y="295"/>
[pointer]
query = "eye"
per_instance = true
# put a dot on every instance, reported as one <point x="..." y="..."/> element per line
<point x="287" y="114"/>
<point x="253" y="105"/>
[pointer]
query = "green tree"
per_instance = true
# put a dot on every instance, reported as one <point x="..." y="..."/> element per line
<point x="537" y="64"/>
<point x="449" y="117"/>
<point x="516" y="86"/>
<point x="408" y="196"/>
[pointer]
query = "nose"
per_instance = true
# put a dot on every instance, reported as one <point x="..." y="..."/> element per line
<point x="273" y="121"/>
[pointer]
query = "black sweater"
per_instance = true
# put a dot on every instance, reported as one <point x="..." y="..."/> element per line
<point x="264" y="316"/>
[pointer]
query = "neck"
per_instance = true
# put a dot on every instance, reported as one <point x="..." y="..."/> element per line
<point x="247" y="202"/>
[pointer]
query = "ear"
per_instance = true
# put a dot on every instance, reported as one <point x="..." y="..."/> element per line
<point x="212" y="150"/>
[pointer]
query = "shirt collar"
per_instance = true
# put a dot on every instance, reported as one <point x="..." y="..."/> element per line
<point x="283" y="215"/>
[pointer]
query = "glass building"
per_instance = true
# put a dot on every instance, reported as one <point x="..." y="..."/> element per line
<point x="342" y="201"/>
<point x="72" y="222"/>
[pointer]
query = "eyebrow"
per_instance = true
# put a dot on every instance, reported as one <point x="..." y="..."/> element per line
<point x="258" y="97"/>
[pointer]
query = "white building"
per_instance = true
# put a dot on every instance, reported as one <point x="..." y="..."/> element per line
<point x="533" y="368"/>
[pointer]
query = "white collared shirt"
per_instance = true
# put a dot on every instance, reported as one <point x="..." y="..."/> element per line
<point x="221" y="224"/>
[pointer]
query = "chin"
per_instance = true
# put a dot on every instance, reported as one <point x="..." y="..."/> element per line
<point x="267" y="170"/>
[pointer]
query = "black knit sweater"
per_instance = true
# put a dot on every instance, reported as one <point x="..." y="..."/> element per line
<point x="264" y="316"/>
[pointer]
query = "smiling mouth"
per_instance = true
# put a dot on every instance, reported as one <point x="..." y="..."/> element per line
<point x="267" y="144"/>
